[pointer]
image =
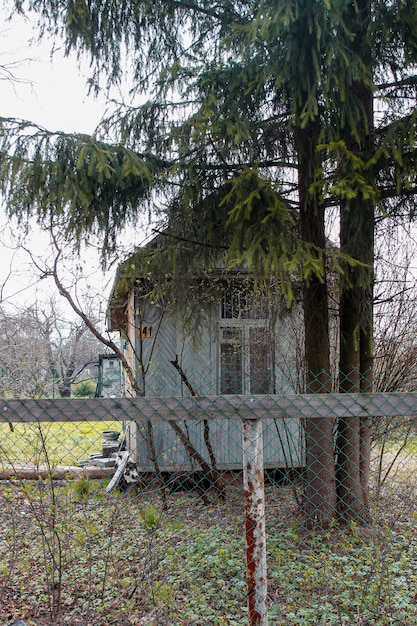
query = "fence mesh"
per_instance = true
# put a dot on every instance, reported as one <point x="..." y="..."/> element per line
<point x="155" y="510"/>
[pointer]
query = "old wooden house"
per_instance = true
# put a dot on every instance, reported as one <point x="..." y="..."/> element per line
<point x="245" y="342"/>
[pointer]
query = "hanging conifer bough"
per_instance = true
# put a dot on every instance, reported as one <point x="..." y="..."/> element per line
<point x="260" y="117"/>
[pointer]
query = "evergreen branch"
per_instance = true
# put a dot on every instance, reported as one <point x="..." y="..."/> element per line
<point x="201" y="244"/>
<point x="226" y="9"/>
<point x="396" y="125"/>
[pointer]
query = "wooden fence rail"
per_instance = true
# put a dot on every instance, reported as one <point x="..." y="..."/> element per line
<point x="206" y="407"/>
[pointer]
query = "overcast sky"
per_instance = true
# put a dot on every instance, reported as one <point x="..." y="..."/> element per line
<point x="52" y="92"/>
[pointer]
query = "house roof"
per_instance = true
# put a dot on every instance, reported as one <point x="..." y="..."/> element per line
<point x="131" y="271"/>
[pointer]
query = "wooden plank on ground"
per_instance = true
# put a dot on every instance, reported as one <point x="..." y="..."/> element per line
<point x="36" y="472"/>
<point x="219" y="407"/>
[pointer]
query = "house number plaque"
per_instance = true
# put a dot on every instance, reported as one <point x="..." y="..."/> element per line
<point x="145" y="332"/>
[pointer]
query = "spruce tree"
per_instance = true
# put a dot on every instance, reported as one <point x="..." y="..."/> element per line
<point x="260" y="117"/>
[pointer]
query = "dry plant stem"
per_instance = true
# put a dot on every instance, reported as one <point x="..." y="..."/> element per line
<point x="45" y="515"/>
<point x="90" y="577"/>
<point x="150" y="442"/>
<point x="109" y="535"/>
<point x="212" y="475"/>
<point x="151" y="564"/>
<point x="141" y="390"/>
<point x="289" y="464"/>
<point x="211" y="472"/>
<point x="191" y="389"/>
<point x="12" y="554"/>
<point x="207" y="441"/>
<point x="382" y="480"/>
<point x="52" y="544"/>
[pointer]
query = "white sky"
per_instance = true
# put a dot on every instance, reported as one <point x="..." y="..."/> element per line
<point x="51" y="91"/>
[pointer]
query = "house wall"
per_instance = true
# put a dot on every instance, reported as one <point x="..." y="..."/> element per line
<point x="282" y="445"/>
<point x="165" y="344"/>
<point x="158" y="341"/>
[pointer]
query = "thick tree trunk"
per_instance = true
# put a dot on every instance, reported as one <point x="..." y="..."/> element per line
<point x="355" y="367"/>
<point x="366" y="357"/>
<point x="320" y="489"/>
<point x="349" y="487"/>
<point x="356" y="301"/>
<point x="64" y="385"/>
<point x="320" y="492"/>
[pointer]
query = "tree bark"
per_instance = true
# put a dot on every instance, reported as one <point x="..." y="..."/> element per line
<point x="349" y="489"/>
<point x="320" y="488"/>
<point x="356" y="300"/>
<point x="355" y="366"/>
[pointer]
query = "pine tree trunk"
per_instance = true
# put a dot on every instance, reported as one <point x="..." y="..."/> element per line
<point x="320" y="488"/>
<point x="349" y="487"/>
<point x="320" y="491"/>
<point x="366" y="357"/>
<point x="355" y="367"/>
<point x="356" y="301"/>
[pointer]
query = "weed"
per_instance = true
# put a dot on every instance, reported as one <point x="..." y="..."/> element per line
<point x="83" y="487"/>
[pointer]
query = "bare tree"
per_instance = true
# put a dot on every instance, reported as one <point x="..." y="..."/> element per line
<point x="396" y="309"/>
<point x="42" y="352"/>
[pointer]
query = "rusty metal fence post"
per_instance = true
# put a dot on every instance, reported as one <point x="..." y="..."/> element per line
<point x="253" y="483"/>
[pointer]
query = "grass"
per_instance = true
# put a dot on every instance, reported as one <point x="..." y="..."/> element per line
<point x="125" y="561"/>
<point x="65" y="442"/>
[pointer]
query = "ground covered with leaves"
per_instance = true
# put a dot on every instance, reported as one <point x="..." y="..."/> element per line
<point x="72" y="554"/>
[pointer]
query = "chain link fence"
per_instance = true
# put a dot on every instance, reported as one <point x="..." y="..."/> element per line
<point x="291" y="509"/>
